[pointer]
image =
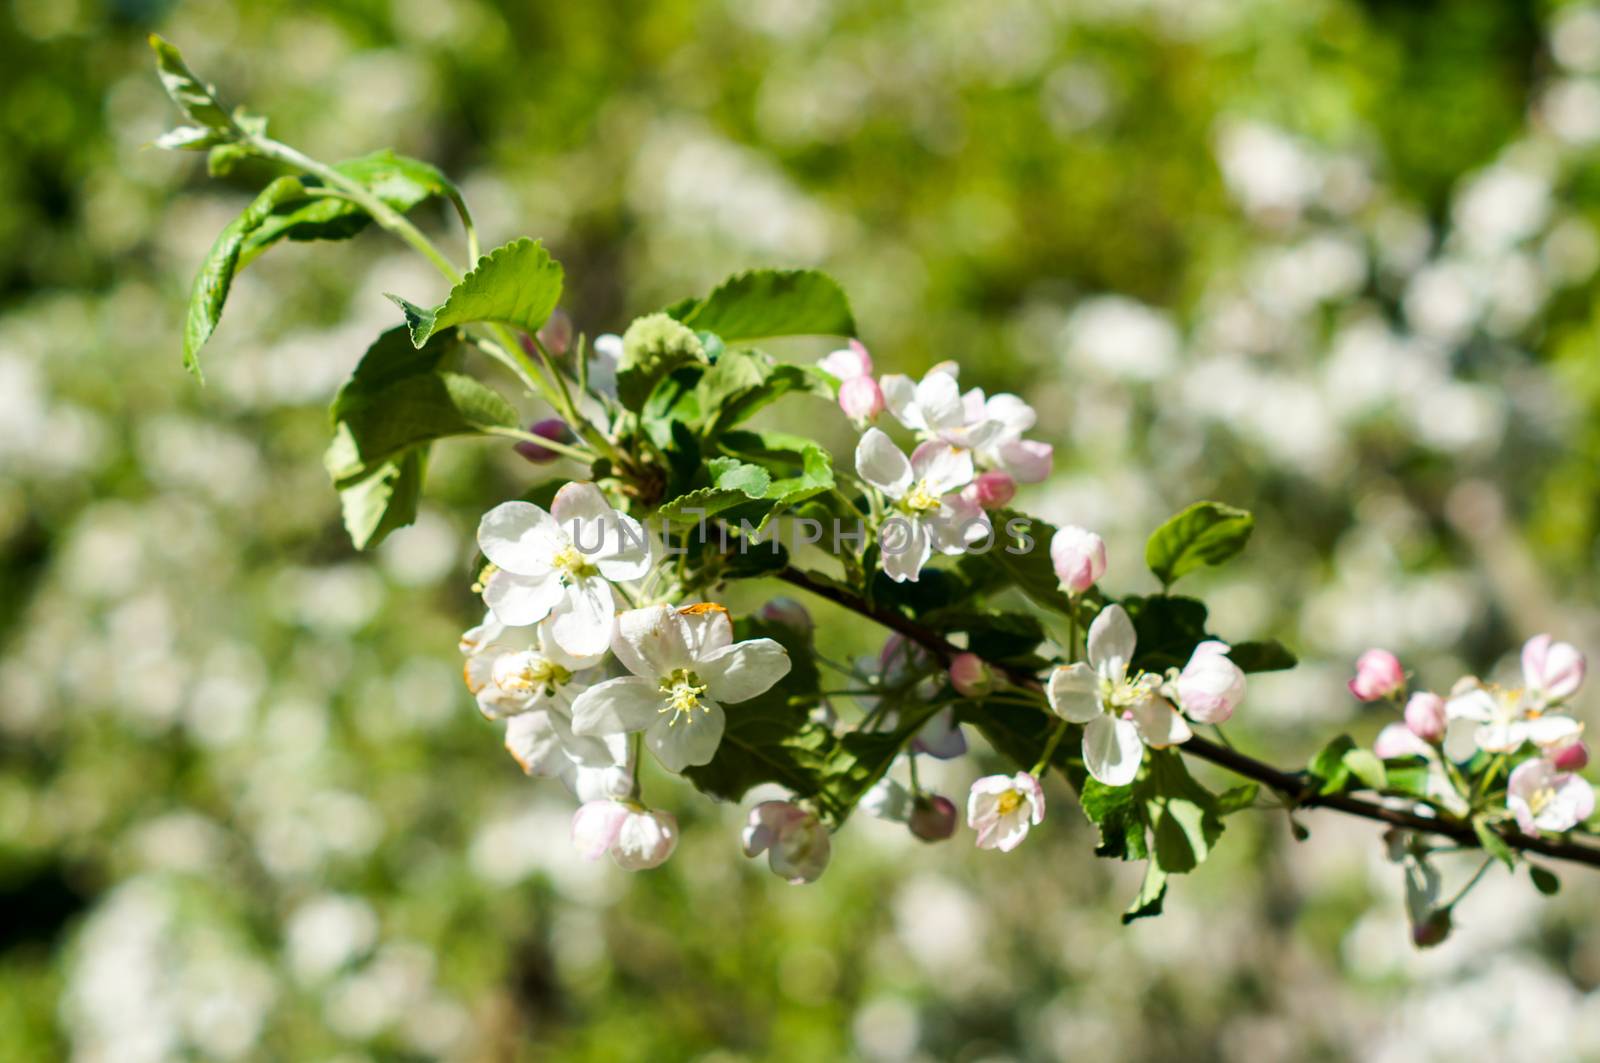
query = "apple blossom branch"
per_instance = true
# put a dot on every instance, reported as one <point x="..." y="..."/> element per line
<point x="1297" y="788"/>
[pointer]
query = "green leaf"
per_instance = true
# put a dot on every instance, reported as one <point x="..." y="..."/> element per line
<point x="1184" y="820"/>
<point x="518" y="284"/>
<point x="770" y="302"/>
<point x="384" y="501"/>
<point x="1021" y="555"/>
<point x="397" y="398"/>
<point x="1237" y="799"/>
<point x="1328" y="767"/>
<point x="732" y="482"/>
<point x="743" y="382"/>
<point x="800" y="470"/>
<point x="1120" y="813"/>
<point x="1365" y="765"/>
<point x="192" y="96"/>
<point x="1493" y="843"/>
<point x="400" y="182"/>
<point x="1268" y="655"/>
<point x="1544" y="880"/>
<point x="1207" y="533"/>
<point x="1151" y="893"/>
<point x="1168" y="627"/>
<point x="211" y="286"/>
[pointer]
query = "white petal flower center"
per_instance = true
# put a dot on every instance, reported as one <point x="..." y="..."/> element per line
<point x="523" y="673"/>
<point x="683" y="689"/>
<point x="571" y="564"/>
<point x="1540" y="799"/>
<point x="1009" y="802"/>
<point x="919" y="499"/>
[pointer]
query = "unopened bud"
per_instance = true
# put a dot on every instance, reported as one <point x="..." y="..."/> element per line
<point x="1079" y="558"/>
<point x="788" y="612"/>
<point x="1378" y="674"/>
<point x="1432" y="930"/>
<point x="1571" y="757"/>
<point x="990" y="490"/>
<point x="553" y="428"/>
<point x="933" y="819"/>
<point x="1425" y="716"/>
<point x="970" y="676"/>
<point x="556" y="333"/>
<point x="861" y="398"/>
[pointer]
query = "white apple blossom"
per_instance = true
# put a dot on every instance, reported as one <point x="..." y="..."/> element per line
<point x="1552" y="671"/>
<point x="1544" y="798"/>
<point x="637" y="838"/>
<point x="1122" y="714"/>
<point x="1025" y="460"/>
<point x="685" y="667"/>
<point x="935" y="409"/>
<point x="1002" y="808"/>
<point x="1497" y="720"/>
<point x="561" y="564"/>
<point x="928" y="512"/>
<point x="542" y="743"/>
<point x="795" y="840"/>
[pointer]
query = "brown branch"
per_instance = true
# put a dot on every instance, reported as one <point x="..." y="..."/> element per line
<point x="1296" y="788"/>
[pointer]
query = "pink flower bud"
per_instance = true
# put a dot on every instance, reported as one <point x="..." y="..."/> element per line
<point x="789" y="613"/>
<point x="556" y="333"/>
<point x="860" y="398"/>
<point x="848" y="363"/>
<point x="933" y="819"/>
<point x="1079" y="558"/>
<point x="794" y="839"/>
<point x="1378" y="674"/>
<point x="990" y="490"/>
<point x="550" y="428"/>
<point x="1552" y="671"/>
<point x="645" y="840"/>
<point x="1432" y="930"/>
<point x="1425" y="716"/>
<point x="595" y="826"/>
<point x="1573" y="756"/>
<point x="970" y="676"/>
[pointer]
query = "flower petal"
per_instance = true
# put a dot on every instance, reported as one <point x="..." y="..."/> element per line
<point x="688" y="742"/>
<point x="617" y="706"/>
<point x="519" y="600"/>
<point x="584" y="620"/>
<point x="941" y="467"/>
<point x="741" y="671"/>
<point x="905" y="550"/>
<point x="1159" y="723"/>
<point x="706" y="628"/>
<point x="881" y="464"/>
<point x="519" y="537"/>
<point x="650" y="642"/>
<point x="1074" y="693"/>
<point x="534" y="745"/>
<point x="900" y="396"/>
<point x="1112" y="750"/>
<point x="939" y="402"/>
<point x="588" y="751"/>
<point x="1111" y="638"/>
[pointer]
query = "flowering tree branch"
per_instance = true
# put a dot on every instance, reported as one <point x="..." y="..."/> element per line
<point x="602" y="641"/>
<point x="1298" y="789"/>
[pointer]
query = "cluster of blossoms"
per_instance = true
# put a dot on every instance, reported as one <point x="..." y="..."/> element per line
<point x="1487" y="725"/>
<point x="538" y="663"/>
<point x="970" y="456"/>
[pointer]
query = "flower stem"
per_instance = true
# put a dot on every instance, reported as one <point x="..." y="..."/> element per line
<point x="1056" y="736"/>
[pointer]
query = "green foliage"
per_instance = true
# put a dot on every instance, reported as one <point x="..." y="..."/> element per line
<point x="517" y="284"/>
<point x="1328" y="768"/>
<point x="1493" y="844"/>
<point x="653" y="347"/>
<point x="1544" y="880"/>
<point x="193" y="97"/>
<point x="398" y="400"/>
<point x="770" y="302"/>
<point x="1267" y="655"/>
<point x="1021" y="555"/>
<point x="1206" y="533"/>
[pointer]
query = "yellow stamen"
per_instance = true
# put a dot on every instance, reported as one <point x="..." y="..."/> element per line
<point x="683" y="689"/>
<point x="571" y="563"/>
<point x="483" y="577"/>
<point x="1010" y="801"/>
<point x="919" y="499"/>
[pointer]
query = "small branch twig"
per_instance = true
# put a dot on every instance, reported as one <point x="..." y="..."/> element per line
<point x="1296" y="788"/>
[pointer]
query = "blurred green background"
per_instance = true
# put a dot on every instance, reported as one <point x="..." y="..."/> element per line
<point x="1334" y="261"/>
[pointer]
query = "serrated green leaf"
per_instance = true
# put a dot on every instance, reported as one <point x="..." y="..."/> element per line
<point x="770" y="302"/>
<point x="1020" y="554"/>
<point x="215" y="278"/>
<point x="1493" y="843"/>
<point x="800" y="470"/>
<point x="192" y="96"/>
<point x="1168" y="626"/>
<point x="384" y="501"/>
<point x="1206" y="533"/>
<point x="743" y="382"/>
<point x="1268" y="655"/>
<point x="1185" y="823"/>
<point x="1365" y="765"/>
<point x="518" y="284"/>
<point x="399" y="397"/>
<point x="733" y="482"/>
